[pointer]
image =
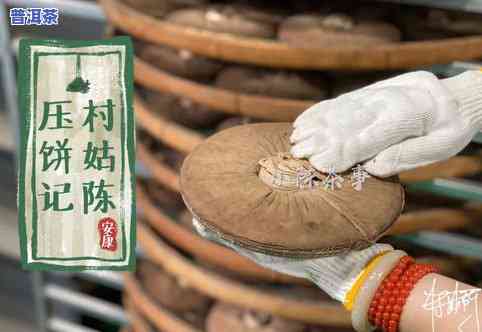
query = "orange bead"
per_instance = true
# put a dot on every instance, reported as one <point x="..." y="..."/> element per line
<point x="393" y="278"/>
<point x="405" y="259"/>
<point x="390" y="297"/>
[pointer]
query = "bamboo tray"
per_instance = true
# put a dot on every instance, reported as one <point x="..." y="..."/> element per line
<point x="203" y="249"/>
<point x="436" y="219"/>
<point x="272" y="53"/>
<point x="171" y="134"/>
<point x="162" y="319"/>
<point x="161" y="172"/>
<point x="224" y="289"/>
<point x="137" y="322"/>
<point x="223" y="100"/>
<point x="457" y="166"/>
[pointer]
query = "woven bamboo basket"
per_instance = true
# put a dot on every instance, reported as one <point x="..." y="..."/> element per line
<point x="137" y="322"/>
<point x="232" y="291"/>
<point x="257" y="106"/>
<point x="156" y="226"/>
<point x="458" y="166"/>
<point x="159" y="170"/>
<point x="161" y="318"/>
<point x="272" y="53"/>
<point x="169" y="133"/>
<point x="436" y="219"/>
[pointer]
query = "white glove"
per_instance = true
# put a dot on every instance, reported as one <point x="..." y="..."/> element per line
<point x="335" y="275"/>
<point x="393" y="125"/>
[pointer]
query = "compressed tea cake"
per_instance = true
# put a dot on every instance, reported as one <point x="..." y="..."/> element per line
<point x="243" y="185"/>
<point x="336" y="30"/>
<point x="182" y="110"/>
<point x="272" y="83"/>
<point x="170" y="291"/>
<point x="431" y="24"/>
<point x="162" y="196"/>
<point x="178" y="62"/>
<point x="226" y="19"/>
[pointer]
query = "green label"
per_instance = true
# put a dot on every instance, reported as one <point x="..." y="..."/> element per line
<point x="76" y="188"/>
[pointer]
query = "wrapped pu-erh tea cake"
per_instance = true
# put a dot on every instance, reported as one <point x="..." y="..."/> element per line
<point x="243" y="185"/>
<point x="234" y="20"/>
<point x="336" y="30"/>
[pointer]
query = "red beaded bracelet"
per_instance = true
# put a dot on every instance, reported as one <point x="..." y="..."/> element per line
<point x="387" y="304"/>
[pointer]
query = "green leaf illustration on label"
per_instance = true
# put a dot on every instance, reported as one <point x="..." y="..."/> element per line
<point x="78" y="84"/>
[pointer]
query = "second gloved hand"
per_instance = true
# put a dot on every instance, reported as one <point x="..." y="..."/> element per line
<point x="391" y="126"/>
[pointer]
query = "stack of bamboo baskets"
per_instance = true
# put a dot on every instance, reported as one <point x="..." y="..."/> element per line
<point x="197" y="74"/>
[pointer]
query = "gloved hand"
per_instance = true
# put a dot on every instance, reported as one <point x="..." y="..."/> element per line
<point x="393" y="125"/>
<point x="335" y="275"/>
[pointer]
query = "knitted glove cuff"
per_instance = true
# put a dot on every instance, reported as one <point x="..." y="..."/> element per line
<point x="466" y="88"/>
<point x="336" y="275"/>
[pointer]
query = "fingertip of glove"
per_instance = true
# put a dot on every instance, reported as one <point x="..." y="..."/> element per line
<point x="379" y="168"/>
<point x="301" y="150"/>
